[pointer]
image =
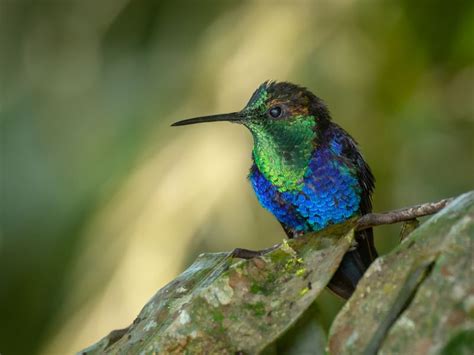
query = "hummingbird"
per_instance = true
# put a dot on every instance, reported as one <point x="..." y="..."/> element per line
<point x="306" y="170"/>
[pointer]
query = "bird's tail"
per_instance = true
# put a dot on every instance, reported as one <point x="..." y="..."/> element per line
<point x="354" y="264"/>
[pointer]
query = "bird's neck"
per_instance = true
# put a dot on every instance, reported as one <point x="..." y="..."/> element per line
<point x="283" y="157"/>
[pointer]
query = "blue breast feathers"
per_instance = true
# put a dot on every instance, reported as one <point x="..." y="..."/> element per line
<point x="330" y="194"/>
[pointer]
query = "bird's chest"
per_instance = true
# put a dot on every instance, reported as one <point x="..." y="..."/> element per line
<point x="329" y="194"/>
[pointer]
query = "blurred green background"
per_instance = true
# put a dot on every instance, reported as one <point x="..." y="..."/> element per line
<point x="102" y="202"/>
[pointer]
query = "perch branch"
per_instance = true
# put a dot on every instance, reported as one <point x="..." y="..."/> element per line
<point x="364" y="222"/>
<point x="401" y="215"/>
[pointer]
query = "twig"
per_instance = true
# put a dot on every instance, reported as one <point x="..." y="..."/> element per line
<point x="403" y="214"/>
<point x="364" y="222"/>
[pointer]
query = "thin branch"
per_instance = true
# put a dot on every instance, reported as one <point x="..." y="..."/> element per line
<point x="366" y="221"/>
<point x="401" y="215"/>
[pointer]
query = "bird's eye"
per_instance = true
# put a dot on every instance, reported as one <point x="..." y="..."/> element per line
<point x="275" y="111"/>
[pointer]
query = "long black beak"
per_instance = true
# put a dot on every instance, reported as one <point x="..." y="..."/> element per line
<point x="231" y="117"/>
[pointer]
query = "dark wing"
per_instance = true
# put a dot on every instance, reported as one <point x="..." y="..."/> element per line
<point x="350" y="151"/>
<point x="354" y="262"/>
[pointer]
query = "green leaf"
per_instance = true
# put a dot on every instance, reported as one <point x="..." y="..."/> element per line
<point x="418" y="297"/>
<point x="223" y="305"/>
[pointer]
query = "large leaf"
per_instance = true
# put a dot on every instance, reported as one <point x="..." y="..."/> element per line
<point x="419" y="298"/>
<point x="223" y="305"/>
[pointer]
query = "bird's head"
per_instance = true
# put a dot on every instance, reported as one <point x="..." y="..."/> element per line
<point x="286" y="122"/>
<point x="274" y="104"/>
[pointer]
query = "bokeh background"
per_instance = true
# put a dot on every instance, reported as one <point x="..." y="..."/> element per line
<point x="102" y="203"/>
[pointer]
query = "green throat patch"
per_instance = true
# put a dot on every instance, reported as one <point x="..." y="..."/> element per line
<point x="283" y="149"/>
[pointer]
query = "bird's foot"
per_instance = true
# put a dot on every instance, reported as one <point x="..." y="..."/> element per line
<point x="250" y="254"/>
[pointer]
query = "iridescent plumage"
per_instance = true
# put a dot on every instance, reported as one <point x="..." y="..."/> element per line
<point x="307" y="171"/>
<point x="328" y="194"/>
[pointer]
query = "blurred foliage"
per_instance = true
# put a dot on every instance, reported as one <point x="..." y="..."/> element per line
<point x="102" y="203"/>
